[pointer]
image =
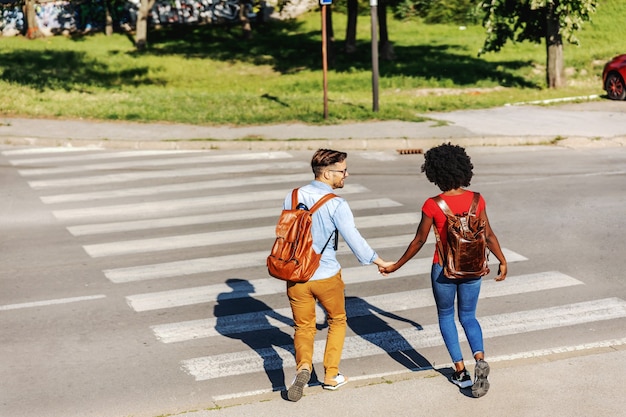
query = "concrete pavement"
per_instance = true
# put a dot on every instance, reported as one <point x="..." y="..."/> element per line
<point x="583" y="381"/>
<point x="593" y="123"/>
<point x="579" y="383"/>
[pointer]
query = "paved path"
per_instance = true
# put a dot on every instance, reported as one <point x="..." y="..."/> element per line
<point x="594" y="123"/>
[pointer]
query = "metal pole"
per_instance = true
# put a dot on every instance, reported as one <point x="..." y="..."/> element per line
<point x="325" y="61"/>
<point x="374" y="18"/>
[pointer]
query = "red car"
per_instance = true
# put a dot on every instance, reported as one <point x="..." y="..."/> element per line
<point x="613" y="78"/>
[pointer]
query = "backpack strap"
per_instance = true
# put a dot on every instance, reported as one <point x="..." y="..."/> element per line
<point x="317" y="205"/>
<point x="294" y="198"/>
<point x="321" y="202"/>
<point x="474" y="206"/>
<point x="443" y="206"/>
<point x="446" y="210"/>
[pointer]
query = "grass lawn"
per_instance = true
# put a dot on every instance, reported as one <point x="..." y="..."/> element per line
<point x="208" y="75"/>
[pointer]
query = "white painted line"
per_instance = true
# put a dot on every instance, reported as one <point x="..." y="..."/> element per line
<point x="555" y="100"/>
<point x="265" y="286"/>
<point x="228" y="262"/>
<point x="503" y="324"/>
<point x="494" y="359"/>
<point x="355" y="307"/>
<point x="551" y="177"/>
<point x="227" y="216"/>
<point x="56" y="150"/>
<point x="174" y="188"/>
<point x="51" y="302"/>
<point x="175" y="172"/>
<point x="207" y="158"/>
<point x="93" y="157"/>
<point x="378" y="156"/>
<point x="222" y="237"/>
<point x="160" y="208"/>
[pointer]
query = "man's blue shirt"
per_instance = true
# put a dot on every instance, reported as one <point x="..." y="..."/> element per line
<point x="334" y="215"/>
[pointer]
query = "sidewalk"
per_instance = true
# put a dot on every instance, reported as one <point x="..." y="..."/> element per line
<point x="581" y="383"/>
<point x="594" y="123"/>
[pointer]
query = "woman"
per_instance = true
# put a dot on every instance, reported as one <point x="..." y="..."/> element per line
<point x="450" y="168"/>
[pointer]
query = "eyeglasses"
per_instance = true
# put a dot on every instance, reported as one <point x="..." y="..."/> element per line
<point x="344" y="172"/>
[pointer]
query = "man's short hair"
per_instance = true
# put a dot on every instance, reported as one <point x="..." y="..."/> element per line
<point x="324" y="158"/>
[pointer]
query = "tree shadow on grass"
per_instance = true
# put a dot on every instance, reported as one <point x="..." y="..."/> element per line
<point x="67" y="70"/>
<point x="285" y="47"/>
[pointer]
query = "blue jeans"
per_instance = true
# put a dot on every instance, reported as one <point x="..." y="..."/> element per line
<point x="466" y="291"/>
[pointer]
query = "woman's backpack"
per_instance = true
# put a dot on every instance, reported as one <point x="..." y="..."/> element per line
<point x="467" y="253"/>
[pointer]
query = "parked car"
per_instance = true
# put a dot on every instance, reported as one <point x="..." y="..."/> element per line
<point x="613" y="78"/>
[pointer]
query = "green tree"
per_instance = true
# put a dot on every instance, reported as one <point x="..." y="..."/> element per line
<point x="552" y="21"/>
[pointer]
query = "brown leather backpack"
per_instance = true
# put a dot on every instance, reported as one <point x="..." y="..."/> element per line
<point x="292" y="257"/>
<point x="466" y="254"/>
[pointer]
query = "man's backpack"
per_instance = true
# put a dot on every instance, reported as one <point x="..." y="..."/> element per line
<point x="292" y="257"/>
<point x="467" y="252"/>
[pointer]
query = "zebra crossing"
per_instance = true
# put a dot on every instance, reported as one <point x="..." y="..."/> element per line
<point x="112" y="202"/>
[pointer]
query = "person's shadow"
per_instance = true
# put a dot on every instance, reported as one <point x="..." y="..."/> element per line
<point x="370" y="326"/>
<point x="246" y="318"/>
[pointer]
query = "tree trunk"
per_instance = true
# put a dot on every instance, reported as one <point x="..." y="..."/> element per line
<point x="108" y="25"/>
<point x="245" y="22"/>
<point x="141" y="35"/>
<point x="555" y="76"/>
<point x="353" y="6"/>
<point x="32" y="29"/>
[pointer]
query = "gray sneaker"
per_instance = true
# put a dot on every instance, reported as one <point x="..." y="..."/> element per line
<point x="294" y="393"/>
<point x="481" y="385"/>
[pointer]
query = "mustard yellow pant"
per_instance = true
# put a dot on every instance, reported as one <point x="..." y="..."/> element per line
<point x="302" y="297"/>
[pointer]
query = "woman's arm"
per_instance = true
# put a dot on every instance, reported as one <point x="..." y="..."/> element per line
<point x="414" y="247"/>
<point x="494" y="246"/>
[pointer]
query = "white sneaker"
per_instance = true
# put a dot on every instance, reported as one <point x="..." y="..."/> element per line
<point x="339" y="381"/>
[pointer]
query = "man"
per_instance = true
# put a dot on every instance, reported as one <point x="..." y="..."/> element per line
<point x="326" y="286"/>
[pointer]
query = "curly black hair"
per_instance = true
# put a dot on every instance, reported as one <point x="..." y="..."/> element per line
<point x="448" y="167"/>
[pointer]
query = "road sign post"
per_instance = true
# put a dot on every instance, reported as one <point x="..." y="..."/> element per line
<point x="374" y="19"/>
<point x="324" y="4"/>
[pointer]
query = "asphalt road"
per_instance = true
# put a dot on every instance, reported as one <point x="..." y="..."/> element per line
<point x="125" y="274"/>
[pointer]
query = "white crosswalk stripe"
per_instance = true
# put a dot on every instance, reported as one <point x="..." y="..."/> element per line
<point x="160" y="208"/>
<point x="93" y="157"/>
<point x="151" y="163"/>
<point x="92" y="180"/>
<point x="119" y="214"/>
<point x="151" y="224"/>
<point x="239" y="363"/>
<point x="265" y="286"/>
<point x="224" y="237"/>
<point x="392" y="302"/>
<point x="225" y="263"/>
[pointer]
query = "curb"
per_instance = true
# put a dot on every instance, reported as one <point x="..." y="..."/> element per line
<point x="370" y="144"/>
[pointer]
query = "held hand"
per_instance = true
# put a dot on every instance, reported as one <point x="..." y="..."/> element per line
<point x="502" y="271"/>
<point x="386" y="268"/>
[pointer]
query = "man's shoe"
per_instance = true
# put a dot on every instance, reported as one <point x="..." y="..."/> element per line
<point x="337" y="381"/>
<point x="462" y="379"/>
<point x="294" y="393"/>
<point x="481" y="385"/>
